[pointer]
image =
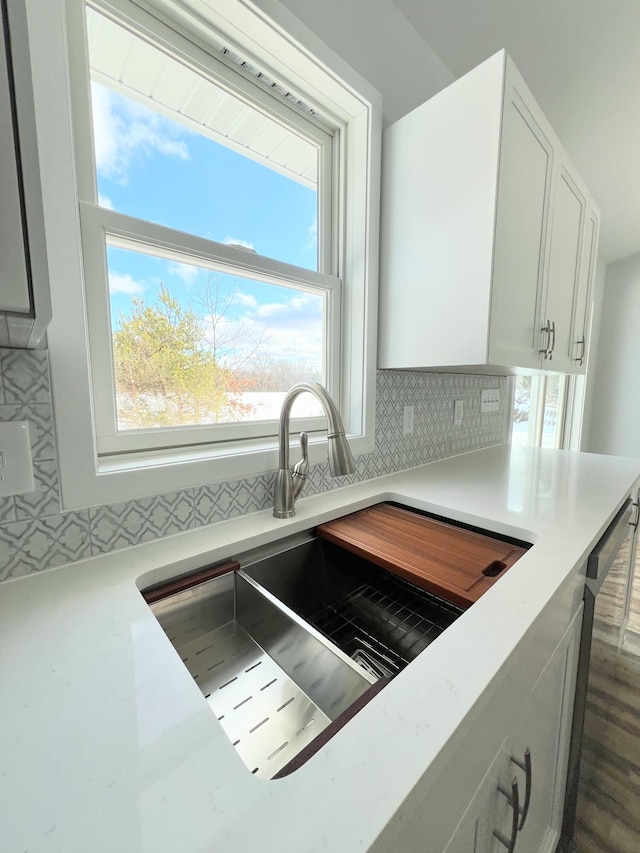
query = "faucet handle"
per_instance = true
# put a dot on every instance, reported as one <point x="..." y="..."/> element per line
<point x="301" y="468"/>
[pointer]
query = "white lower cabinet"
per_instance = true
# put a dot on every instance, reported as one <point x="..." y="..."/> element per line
<point x="475" y="830"/>
<point x="537" y="754"/>
<point x="545" y="731"/>
<point x="531" y="766"/>
<point x="530" y="729"/>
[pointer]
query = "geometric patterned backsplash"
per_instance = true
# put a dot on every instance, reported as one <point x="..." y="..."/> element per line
<point x="36" y="535"/>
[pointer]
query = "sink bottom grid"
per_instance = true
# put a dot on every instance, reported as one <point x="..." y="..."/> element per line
<point x="384" y="625"/>
<point x="265" y="715"/>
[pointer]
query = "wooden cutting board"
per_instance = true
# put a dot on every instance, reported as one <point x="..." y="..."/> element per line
<point x="456" y="564"/>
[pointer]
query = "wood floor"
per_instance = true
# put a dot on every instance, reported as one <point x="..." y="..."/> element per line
<point x="608" y="818"/>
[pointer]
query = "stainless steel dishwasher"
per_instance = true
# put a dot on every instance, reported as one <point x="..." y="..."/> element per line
<point x="606" y="607"/>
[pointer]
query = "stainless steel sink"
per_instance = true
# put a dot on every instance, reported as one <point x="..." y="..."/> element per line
<point x="273" y="682"/>
<point x="289" y="645"/>
<point x="379" y="620"/>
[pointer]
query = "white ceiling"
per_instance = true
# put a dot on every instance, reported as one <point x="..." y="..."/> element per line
<point x="581" y="60"/>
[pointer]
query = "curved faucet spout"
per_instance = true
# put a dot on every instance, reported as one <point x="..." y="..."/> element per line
<point x="340" y="458"/>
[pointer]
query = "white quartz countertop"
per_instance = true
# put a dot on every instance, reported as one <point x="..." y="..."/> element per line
<point x="108" y="746"/>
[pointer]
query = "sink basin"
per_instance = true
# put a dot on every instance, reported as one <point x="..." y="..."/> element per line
<point x="379" y="620"/>
<point x="287" y="643"/>
<point x="273" y="683"/>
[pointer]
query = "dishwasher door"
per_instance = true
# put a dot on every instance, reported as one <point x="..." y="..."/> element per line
<point x="608" y="579"/>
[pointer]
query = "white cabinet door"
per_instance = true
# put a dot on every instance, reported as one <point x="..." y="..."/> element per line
<point x="439" y="177"/>
<point x="526" y="166"/>
<point x="463" y="839"/>
<point x="14" y="284"/>
<point x="477" y="822"/>
<point x="545" y="731"/>
<point x="581" y="320"/>
<point x="25" y="299"/>
<point x="567" y="229"/>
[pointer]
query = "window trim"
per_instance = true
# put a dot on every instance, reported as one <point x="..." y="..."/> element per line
<point x="277" y="43"/>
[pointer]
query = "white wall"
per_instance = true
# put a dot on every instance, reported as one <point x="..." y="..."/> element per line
<point x="375" y="38"/>
<point x="614" y="424"/>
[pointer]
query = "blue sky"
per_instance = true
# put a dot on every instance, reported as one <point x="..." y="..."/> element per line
<point x="156" y="169"/>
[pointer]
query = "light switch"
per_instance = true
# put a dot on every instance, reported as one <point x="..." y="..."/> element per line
<point x="490" y="400"/>
<point x="16" y="464"/>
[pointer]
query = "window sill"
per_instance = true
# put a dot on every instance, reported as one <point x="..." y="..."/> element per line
<point x="261" y="457"/>
<point x="119" y="478"/>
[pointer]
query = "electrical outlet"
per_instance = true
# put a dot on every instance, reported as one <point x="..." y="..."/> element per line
<point x="490" y="400"/>
<point x="458" y="412"/>
<point x="407" y="420"/>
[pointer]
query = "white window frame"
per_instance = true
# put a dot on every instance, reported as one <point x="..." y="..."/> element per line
<point x="100" y="225"/>
<point x="277" y="44"/>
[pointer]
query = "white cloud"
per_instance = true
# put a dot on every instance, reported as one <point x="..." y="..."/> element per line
<point x="123" y="129"/>
<point x="186" y="272"/>
<point x="119" y="283"/>
<point x="244" y="244"/>
<point x="312" y="236"/>
<point x="300" y="309"/>
<point x="105" y="201"/>
<point x="295" y="344"/>
<point x="288" y="331"/>
<point x="295" y="328"/>
<point x="245" y="299"/>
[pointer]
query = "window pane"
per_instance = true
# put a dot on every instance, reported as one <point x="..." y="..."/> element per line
<point x="538" y="411"/>
<point x="193" y="346"/>
<point x="553" y="411"/>
<point x="174" y="148"/>
<point x="521" y="411"/>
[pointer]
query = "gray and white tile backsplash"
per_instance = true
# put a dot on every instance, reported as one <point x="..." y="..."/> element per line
<point x="35" y="534"/>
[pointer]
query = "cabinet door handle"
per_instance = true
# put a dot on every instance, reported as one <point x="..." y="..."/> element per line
<point x="580" y="358"/>
<point x="546" y="329"/>
<point x="552" y="336"/>
<point x="526" y="767"/>
<point x="513" y="798"/>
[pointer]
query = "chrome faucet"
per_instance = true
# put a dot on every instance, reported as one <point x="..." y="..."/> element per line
<point x="289" y="483"/>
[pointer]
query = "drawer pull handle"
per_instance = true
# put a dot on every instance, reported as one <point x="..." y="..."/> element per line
<point x="526" y="767"/>
<point x="513" y="798"/>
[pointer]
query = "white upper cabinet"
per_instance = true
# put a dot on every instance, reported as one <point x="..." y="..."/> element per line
<point x="483" y="232"/>
<point x="25" y="304"/>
